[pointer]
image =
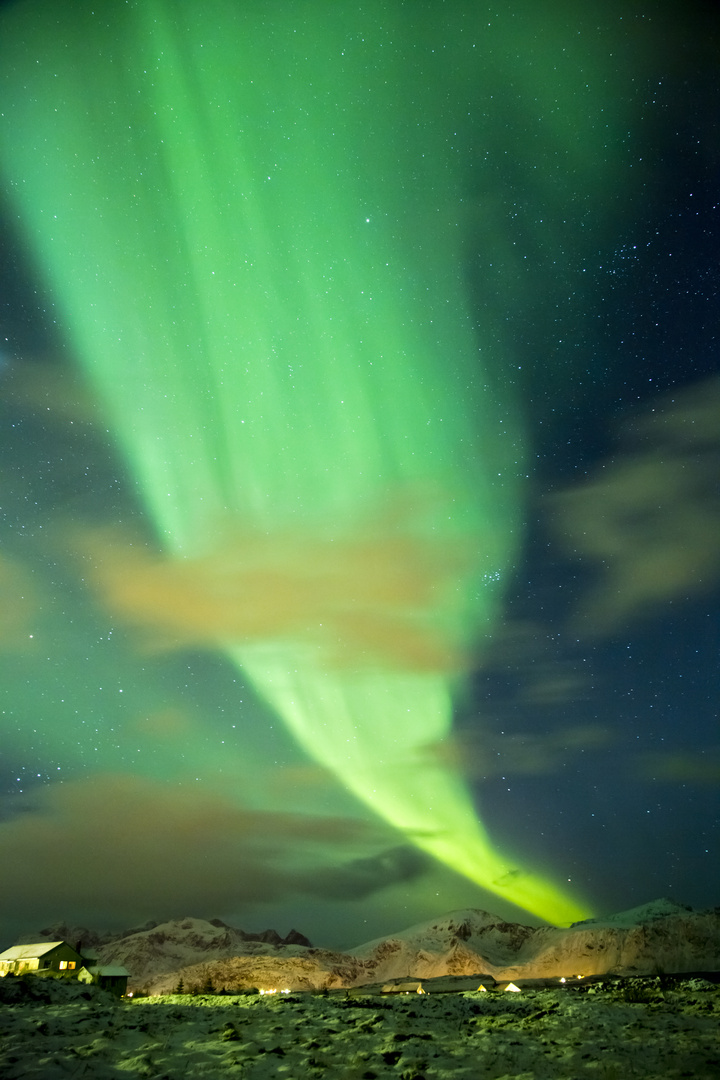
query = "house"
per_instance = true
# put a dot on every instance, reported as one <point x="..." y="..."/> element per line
<point x="47" y="956"/>
<point x="59" y="959"/>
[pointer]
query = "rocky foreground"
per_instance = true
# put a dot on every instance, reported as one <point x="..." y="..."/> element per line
<point x="608" y="1030"/>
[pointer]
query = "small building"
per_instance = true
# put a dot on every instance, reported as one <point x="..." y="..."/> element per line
<point x="107" y="976"/>
<point x="58" y="959"/>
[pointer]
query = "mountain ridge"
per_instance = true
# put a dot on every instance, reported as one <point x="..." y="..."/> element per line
<point x="662" y="936"/>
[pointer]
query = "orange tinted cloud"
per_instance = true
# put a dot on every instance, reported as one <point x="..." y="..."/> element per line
<point x="19" y="604"/>
<point x="52" y="389"/>
<point x="374" y="598"/>
<point x="170" y="723"/>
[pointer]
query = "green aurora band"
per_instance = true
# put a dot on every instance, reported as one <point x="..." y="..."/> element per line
<point x="249" y="215"/>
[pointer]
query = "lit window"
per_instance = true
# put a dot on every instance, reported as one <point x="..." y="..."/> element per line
<point x="67" y="965"/>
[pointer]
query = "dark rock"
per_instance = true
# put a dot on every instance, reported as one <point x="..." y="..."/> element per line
<point x="296" y="938"/>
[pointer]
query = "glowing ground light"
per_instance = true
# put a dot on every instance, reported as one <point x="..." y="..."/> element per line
<point x="251" y="233"/>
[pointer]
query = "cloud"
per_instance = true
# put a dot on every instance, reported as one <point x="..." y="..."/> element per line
<point x="19" y="604"/>
<point x="384" y="596"/>
<point x="687" y="767"/>
<point x="532" y="664"/>
<point x="486" y="755"/>
<point x="360" y="878"/>
<point x="649" y="517"/>
<point x="116" y="847"/>
<point x="170" y="723"/>
<point x="55" y="391"/>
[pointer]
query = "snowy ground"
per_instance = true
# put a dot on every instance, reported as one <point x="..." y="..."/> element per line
<point x="609" y="1031"/>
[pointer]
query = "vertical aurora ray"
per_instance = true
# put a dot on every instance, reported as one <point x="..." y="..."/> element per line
<point x="248" y="216"/>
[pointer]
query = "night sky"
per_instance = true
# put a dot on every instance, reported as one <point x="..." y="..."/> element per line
<point x="239" y="297"/>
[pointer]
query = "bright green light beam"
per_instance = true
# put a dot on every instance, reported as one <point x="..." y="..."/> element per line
<point x="248" y="215"/>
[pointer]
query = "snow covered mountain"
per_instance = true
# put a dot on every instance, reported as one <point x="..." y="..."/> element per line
<point x="174" y="946"/>
<point x="659" y="937"/>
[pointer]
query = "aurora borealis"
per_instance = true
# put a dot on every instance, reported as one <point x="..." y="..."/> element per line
<point x="257" y="223"/>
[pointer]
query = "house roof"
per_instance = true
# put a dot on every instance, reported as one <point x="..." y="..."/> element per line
<point x="29" y="952"/>
<point x="109" y="969"/>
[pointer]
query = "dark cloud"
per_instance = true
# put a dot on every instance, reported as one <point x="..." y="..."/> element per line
<point x="118" y="847"/>
<point x="649" y="517"/>
<point x="536" y="667"/>
<point x="359" y="878"/>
